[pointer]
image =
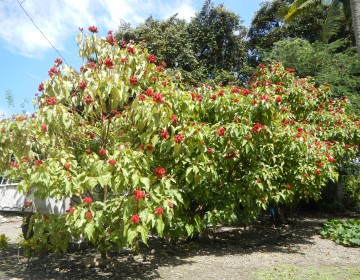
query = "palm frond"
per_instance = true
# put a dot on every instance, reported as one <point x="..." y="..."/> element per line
<point x="299" y="7"/>
<point x="334" y="19"/>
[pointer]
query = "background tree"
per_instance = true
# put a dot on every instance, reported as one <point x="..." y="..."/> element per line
<point x="355" y="12"/>
<point x="211" y="46"/>
<point x="218" y="40"/>
<point x="339" y="12"/>
<point x="268" y="26"/>
<point x="167" y="39"/>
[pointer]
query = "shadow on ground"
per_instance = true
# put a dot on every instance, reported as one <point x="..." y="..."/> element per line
<point x="234" y="240"/>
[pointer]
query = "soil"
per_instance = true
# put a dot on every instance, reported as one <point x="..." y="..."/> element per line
<point x="293" y="250"/>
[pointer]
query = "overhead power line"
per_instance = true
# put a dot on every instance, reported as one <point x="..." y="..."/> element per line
<point x="42" y="33"/>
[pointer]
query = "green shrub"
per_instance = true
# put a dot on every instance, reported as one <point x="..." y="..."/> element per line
<point x="143" y="154"/>
<point x="4" y="244"/>
<point x="344" y="232"/>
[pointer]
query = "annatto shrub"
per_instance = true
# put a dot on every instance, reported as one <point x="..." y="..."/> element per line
<point x="145" y="154"/>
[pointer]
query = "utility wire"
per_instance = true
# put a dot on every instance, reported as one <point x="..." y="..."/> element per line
<point x="41" y="31"/>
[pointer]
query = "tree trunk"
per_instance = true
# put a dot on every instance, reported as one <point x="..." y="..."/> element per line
<point x="355" y="12"/>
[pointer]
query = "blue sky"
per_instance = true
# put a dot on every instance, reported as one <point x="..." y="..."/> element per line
<point x="26" y="56"/>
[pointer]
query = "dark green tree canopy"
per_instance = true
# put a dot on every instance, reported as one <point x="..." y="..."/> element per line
<point x="268" y="25"/>
<point x="211" y="46"/>
<point x="218" y="39"/>
<point x="167" y="39"/>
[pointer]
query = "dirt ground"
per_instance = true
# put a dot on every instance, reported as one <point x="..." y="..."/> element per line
<point x="291" y="251"/>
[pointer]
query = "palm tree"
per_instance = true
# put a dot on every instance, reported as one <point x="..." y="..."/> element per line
<point x="355" y="11"/>
<point x="339" y="10"/>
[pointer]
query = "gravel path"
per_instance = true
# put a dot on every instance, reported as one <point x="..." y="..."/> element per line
<point x="293" y="251"/>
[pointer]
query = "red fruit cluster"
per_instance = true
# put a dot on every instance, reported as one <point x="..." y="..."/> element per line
<point x="139" y="194"/>
<point x="93" y="29"/>
<point x="88" y="100"/>
<point x="130" y="49"/>
<point x="14" y="164"/>
<point x="53" y="71"/>
<point x="158" y="98"/>
<point x="159" y="211"/>
<point x="179" y="138"/>
<point x="160" y="172"/>
<point x="110" y="39"/>
<point x="174" y="120"/>
<point x="221" y="131"/>
<point x="82" y="85"/>
<point x="41" y="87"/>
<point x="151" y="58"/>
<point x="112" y="161"/>
<point x="50" y="100"/>
<point x="58" y="61"/>
<point x="150" y="147"/>
<point x="133" y="80"/>
<point x="102" y="152"/>
<point x="164" y="134"/>
<point x="135" y="218"/>
<point x="87" y="200"/>
<point x="257" y="128"/>
<point x="109" y="63"/>
<point x="89" y="214"/>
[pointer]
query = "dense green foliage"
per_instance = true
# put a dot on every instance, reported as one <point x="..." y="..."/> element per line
<point x="210" y="46"/>
<point x="337" y="19"/>
<point x="268" y="25"/>
<point x="344" y="232"/>
<point x="4" y="244"/>
<point x="168" y="40"/>
<point x="350" y="182"/>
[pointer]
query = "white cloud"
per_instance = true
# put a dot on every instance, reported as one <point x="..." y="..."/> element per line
<point x="59" y="18"/>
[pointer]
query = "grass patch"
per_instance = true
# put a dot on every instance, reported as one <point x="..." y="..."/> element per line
<point x="292" y="272"/>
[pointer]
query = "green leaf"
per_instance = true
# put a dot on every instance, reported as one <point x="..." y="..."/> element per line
<point x="146" y="182"/>
<point x="197" y="220"/>
<point x="160" y="226"/>
<point x="144" y="232"/>
<point x="177" y="148"/>
<point x="189" y="230"/>
<point x="89" y="230"/>
<point x="131" y="235"/>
